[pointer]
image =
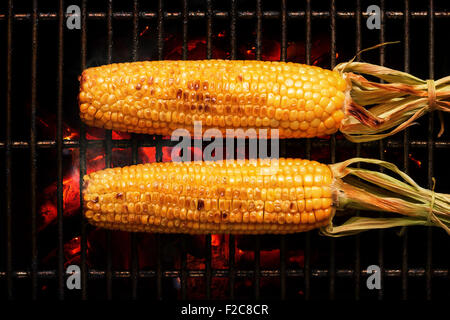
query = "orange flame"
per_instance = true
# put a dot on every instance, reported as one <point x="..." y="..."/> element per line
<point x="70" y="134"/>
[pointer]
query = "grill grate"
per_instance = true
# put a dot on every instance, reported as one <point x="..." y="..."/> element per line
<point x="209" y="15"/>
<point x="217" y="14"/>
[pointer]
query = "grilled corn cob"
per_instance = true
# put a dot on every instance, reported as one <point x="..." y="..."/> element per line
<point x="156" y="97"/>
<point x="250" y="197"/>
<point x="205" y="197"/>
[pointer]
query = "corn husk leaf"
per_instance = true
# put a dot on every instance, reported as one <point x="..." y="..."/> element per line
<point x="363" y="189"/>
<point x="377" y="110"/>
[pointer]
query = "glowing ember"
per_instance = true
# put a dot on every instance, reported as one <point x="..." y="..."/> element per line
<point x="93" y="133"/>
<point x="215" y="240"/>
<point x="298" y="258"/>
<point x="117" y="135"/>
<point x="251" y="51"/>
<point x="71" y="200"/>
<point x="48" y="213"/>
<point x="417" y="162"/>
<point x="70" y="135"/>
<point x="45" y="124"/>
<point x="147" y="154"/>
<point x="72" y="247"/>
<point x="94" y="164"/>
<point x="144" y="31"/>
<point x="70" y="189"/>
<point x="72" y="251"/>
<point x="196" y="48"/>
<point x="167" y="154"/>
<point x="71" y="192"/>
<point x="99" y="157"/>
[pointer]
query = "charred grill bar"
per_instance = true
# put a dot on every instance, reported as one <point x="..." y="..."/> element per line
<point x="9" y="275"/>
<point x="224" y="14"/>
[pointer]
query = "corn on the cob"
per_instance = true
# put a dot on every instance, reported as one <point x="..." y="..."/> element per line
<point x="250" y="197"/>
<point x="208" y="197"/>
<point x="156" y="97"/>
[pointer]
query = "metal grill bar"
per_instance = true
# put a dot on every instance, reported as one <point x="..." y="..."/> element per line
<point x="68" y="144"/>
<point x="33" y="153"/>
<point x="307" y="266"/>
<point x="299" y="273"/>
<point x="283" y="267"/>
<point x="257" y="274"/>
<point x="59" y="139"/>
<point x="134" y="266"/>
<point x="231" y="239"/>
<point x="159" y="154"/>
<point x="8" y="153"/>
<point x="283" y="55"/>
<point x="283" y="22"/>
<point x="233" y="28"/>
<point x="134" y="151"/>
<point x="185" y="29"/>
<point x="184" y="272"/>
<point x="109" y="53"/>
<point x="159" y="272"/>
<point x="258" y="29"/>
<point x="231" y="267"/>
<point x="108" y="155"/>
<point x="357" y="278"/>
<point x="225" y="14"/>
<point x="430" y="143"/>
<point x="333" y="64"/>
<point x="405" y="157"/>
<point x="381" y="156"/>
<point x="83" y="238"/>
<point x="208" y="268"/>
<point x="333" y="147"/>
<point x="209" y="16"/>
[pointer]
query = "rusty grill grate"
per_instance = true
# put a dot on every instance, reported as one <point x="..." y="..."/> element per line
<point x="330" y="274"/>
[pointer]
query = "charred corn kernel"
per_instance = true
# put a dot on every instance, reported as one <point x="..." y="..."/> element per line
<point x="156" y="97"/>
<point x="147" y="197"/>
